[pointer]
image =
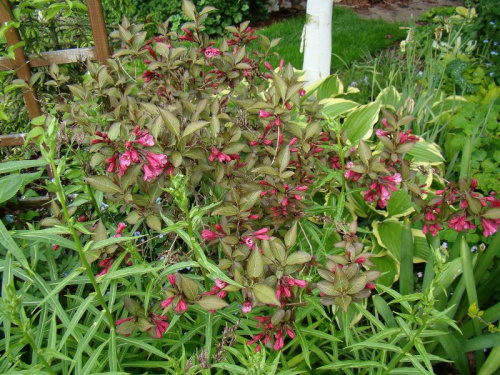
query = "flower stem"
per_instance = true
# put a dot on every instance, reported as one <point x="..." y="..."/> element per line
<point x="88" y="270"/>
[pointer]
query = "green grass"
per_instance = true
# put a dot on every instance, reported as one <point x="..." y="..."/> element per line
<point x="354" y="38"/>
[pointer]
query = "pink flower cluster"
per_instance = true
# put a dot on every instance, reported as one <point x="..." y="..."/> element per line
<point x="260" y="234"/>
<point x="380" y="190"/>
<point x="180" y="306"/>
<point x="284" y="285"/>
<point x="217" y="289"/>
<point x="271" y="336"/>
<point x="463" y="217"/>
<point x="211" y="52"/>
<point x="211" y="235"/>
<point x="153" y="164"/>
<point x="242" y="38"/>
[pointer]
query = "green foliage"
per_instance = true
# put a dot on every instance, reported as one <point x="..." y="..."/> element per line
<point x="229" y="12"/>
<point x="211" y="214"/>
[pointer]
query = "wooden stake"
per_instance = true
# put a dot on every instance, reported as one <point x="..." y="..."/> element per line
<point x="98" y="30"/>
<point x="21" y="63"/>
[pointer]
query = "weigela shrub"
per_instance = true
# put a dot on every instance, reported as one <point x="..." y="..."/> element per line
<point x="247" y="139"/>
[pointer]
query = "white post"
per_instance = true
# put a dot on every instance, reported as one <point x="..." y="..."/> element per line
<point x="318" y="39"/>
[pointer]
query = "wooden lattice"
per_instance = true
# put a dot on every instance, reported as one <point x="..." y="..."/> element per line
<point x="23" y="64"/>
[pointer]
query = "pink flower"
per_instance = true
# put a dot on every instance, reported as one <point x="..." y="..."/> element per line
<point x="121" y="321"/>
<point x="300" y="283"/>
<point x="112" y="163"/>
<point x="385" y="123"/>
<point x="157" y="162"/>
<point x="460" y="223"/>
<point x="167" y="302"/>
<point x="380" y="133"/>
<point x="249" y="242"/>
<point x="490" y="227"/>
<point x="146" y="140"/>
<point x="222" y="294"/>
<point x="124" y="162"/>
<point x="181" y="306"/>
<point x="290" y="332"/>
<point x="302" y="92"/>
<point x="209" y="235"/>
<point x="360" y="260"/>
<point x="264" y="114"/>
<point x="211" y="52"/>
<point x="370" y="286"/>
<point x="222" y="157"/>
<point x="220" y="284"/>
<point x="171" y="280"/>
<point x="282" y="64"/>
<point x="247" y="307"/>
<point x="261" y="234"/>
<point x="121" y="227"/>
<point x="268" y="66"/>
<point x="279" y="343"/>
<point x="160" y="323"/>
<point x="106" y="263"/>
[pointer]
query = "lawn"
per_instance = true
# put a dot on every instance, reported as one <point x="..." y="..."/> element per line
<point x="354" y="38"/>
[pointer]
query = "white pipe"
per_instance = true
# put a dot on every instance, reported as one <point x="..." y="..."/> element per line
<point x="318" y="39"/>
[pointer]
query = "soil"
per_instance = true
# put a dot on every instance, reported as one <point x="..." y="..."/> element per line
<point x="388" y="10"/>
<point x="395" y="10"/>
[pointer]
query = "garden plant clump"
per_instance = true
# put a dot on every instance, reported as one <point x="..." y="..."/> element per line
<point x="213" y="213"/>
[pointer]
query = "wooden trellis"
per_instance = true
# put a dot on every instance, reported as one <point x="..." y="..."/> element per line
<point x="23" y="64"/>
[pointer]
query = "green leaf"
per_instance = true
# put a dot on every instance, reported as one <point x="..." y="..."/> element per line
<point x="104" y="184"/>
<point x="47" y="236"/>
<point x="17" y="165"/>
<point x="8" y="243"/>
<point x="193" y="127"/>
<point x="330" y="87"/>
<point x="255" y="266"/>
<point x="298" y="257"/>
<point x="279" y="85"/>
<point x="291" y="238"/>
<point x="337" y="107"/>
<point x="425" y="152"/>
<point x="492" y="363"/>
<point x="173" y="124"/>
<point x="389" y="235"/>
<point x="400" y="204"/>
<point x="406" y="271"/>
<point x="212" y="303"/>
<point x="492" y="213"/>
<point x="154" y="222"/>
<point x="389" y="96"/>
<point x="359" y="123"/>
<point x="265" y="294"/>
<point x="9" y="186"/>
<point x="189" y="287"/>
<point x="189" y="10"/>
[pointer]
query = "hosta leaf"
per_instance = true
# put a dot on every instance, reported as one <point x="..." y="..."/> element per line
<point x="359" y="123"/>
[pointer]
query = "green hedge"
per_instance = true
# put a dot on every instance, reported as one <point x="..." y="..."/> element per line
<point x="230" y="12"/>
